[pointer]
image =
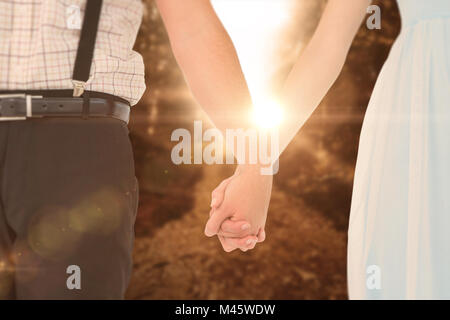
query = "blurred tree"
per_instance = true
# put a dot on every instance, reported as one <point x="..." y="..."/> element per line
<point x="165" y="106"/>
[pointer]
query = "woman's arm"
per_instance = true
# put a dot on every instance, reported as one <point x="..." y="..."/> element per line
<point x="319" y="64"/>
<point x="206" y="55"/>
<point x="310" y="79"/>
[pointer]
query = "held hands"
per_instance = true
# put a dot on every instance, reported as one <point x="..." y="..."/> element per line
<point x="239" y="209"/>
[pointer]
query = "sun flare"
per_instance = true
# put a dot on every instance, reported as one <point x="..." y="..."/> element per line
<point x="267" y="114"/>
<point x="254" y="27"/>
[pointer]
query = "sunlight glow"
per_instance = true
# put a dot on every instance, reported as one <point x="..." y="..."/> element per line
<point x="267" y="114"/>
<point x="255" y="27"/>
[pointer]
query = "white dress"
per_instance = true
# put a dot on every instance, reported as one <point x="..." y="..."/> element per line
<point x="399" y="230"/>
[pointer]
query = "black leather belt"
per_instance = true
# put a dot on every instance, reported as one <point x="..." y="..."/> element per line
<point x="21" y="106"/>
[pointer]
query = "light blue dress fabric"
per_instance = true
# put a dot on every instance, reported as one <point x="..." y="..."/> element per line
<point x="399" y="230"/>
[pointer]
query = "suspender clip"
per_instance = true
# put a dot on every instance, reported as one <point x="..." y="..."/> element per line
<point x="78" y="88"/>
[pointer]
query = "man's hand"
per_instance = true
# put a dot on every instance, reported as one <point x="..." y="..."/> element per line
<point x="239" y="209"/>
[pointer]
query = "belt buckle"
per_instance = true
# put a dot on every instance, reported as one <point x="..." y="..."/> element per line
<point x="29" y="110"/>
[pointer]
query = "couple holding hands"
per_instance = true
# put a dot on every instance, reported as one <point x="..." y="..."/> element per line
<point x="398" y="244"/>
<point x="69" y="192"/>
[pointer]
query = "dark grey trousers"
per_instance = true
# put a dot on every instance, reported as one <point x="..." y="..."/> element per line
<point x="68" y="202"/>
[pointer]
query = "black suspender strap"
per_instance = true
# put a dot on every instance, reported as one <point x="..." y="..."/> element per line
<point x="86" y="46"/>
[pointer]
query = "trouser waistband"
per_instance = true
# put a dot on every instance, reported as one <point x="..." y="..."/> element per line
<point x="20" y="105"/>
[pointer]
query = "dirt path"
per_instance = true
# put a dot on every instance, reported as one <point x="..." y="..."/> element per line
<point x="302" y="258"/>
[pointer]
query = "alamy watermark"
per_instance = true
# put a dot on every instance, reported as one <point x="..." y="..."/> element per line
<point x="249" y="146"/>
<point x="374" y="20"/>
<point x="373" y="281"/>
<point x="73" y="17"/>
<point x="73" y="281"/>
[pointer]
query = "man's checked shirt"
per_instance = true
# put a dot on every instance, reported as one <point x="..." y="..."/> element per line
<point x="39" y="41"/>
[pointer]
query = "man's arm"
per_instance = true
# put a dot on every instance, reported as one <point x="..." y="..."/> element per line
<point x="209" y="61"/>
<point x="210" y="64"/>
